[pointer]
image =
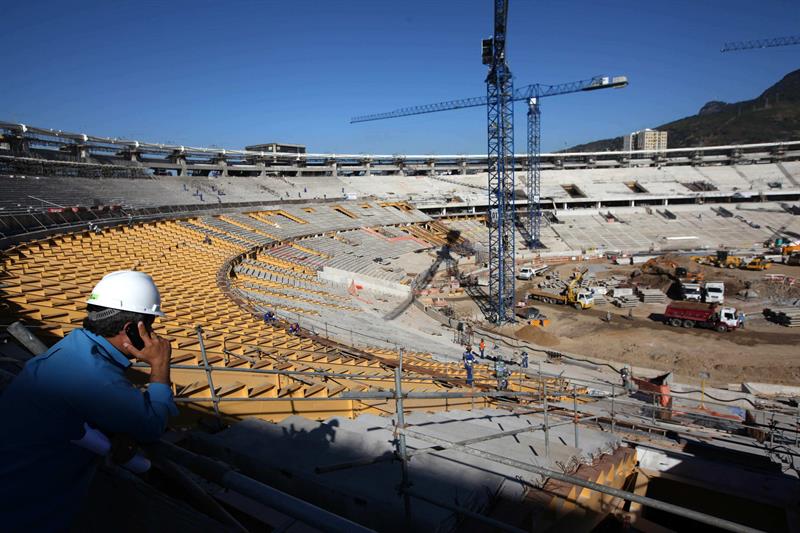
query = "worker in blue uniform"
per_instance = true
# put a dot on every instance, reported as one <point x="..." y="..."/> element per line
<point x="469" y="362"/>
<point x="76" y="388"/>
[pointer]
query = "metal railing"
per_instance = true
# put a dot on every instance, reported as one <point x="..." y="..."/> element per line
<point x="298" y="508"/>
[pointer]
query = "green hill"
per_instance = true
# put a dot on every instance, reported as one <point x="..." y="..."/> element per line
<point x="772" y="116"/>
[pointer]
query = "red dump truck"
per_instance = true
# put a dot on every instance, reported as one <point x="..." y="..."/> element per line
<point x="704" y="315"/>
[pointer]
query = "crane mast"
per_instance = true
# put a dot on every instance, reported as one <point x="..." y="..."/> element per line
<point x="500" y="133"/>
<point x="533" y="228"/>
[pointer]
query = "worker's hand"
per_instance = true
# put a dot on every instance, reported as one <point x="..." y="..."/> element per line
<point x="156" y="353"/>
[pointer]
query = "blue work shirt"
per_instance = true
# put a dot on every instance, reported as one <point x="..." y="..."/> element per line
<point x="468" y="358"/>
<point x="81" y="379"/>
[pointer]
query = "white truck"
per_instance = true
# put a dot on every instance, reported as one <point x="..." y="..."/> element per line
<point x="691" y="291"/>
<point x="531" y="271"/>
<point x="714" y="292"/>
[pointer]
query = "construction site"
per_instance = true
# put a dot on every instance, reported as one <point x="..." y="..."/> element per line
<point x="422" y="343"/>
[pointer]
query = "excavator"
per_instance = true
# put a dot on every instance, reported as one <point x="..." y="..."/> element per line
<point x="662" y="266"/>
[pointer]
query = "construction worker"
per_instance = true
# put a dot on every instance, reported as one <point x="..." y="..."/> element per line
<point x="524" y="359"/>
<point x="482" y="347"/>
<point x="627" y="380"/>
<point x="76" y="390"/>
<point x="741" y="319"/>
<point x="469" y="362"/>
<point x="501" y="373"/>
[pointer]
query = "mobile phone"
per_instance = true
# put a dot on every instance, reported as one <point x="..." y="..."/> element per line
<point x="132" y="331"/>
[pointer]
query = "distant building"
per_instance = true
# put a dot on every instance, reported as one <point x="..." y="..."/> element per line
<point x="647" y="139"/>
<point x="277" y="147"/>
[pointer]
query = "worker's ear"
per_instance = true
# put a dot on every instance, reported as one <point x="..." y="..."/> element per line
<point x="124" y="329"/>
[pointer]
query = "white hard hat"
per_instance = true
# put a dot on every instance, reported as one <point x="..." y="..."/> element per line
<point x="127" y="290"/>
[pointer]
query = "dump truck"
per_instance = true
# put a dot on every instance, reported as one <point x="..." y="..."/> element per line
<point x="704" y="315"/>
<point x="577" y="298"/>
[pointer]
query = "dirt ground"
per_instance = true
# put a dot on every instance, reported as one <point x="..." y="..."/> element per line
<point x="763" y="351"/>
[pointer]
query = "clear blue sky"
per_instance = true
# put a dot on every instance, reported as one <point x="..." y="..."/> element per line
<point x="233" y="73"/>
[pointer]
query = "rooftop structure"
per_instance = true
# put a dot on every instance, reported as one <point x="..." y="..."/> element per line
<point x="277" y="148"/>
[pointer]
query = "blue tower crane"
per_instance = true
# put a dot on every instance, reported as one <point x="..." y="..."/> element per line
<point x="499" y="99"/>
<point x="761" y="43"/>
<point x="500" y="130"/>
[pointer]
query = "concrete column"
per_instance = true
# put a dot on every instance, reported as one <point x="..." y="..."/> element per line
<point x="368" y="166"/>
<point x="665" y="202"/>
<point x="334" y="168"/>
<point x="599" y="205"/>
<point x="565" y="206"/>
<point x="262" y="169"/>
<point x="223" y="165"/>
<point x="181" y="161"/>
<point x="633" y="203"/>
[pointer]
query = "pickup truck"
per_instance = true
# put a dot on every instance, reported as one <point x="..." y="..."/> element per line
<point x="531" y="272"/>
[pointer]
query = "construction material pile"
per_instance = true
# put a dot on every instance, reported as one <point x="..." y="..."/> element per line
<point x="785" y="316"/>
<point x="599" y="295"/>
<point x="651" y="296"/>
<point x="553" y="281"/>
<point x="626" y="301"/>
